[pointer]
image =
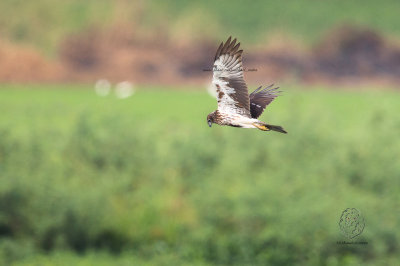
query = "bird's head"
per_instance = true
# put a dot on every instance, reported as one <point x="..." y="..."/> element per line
<point x="210" y="119"/>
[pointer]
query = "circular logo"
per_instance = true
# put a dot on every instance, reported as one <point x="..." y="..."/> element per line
<point x="351" y="223"/>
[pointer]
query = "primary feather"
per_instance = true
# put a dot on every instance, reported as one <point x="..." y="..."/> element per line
<point x="259" y="99"/>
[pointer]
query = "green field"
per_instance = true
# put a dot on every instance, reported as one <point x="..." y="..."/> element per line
<point x="86" y="180"/>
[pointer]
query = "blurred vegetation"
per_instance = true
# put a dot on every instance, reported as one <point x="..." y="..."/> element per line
<point x="91" y="181"/>
<point x="44" y="23"/>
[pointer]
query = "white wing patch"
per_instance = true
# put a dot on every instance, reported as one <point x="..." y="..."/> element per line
<point x="226" y="103"/>
<point x="232" y="93"/>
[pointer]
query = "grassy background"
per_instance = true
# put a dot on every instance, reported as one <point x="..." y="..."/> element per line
<point x="88" y="180"/>
<point x="44" y="24"/>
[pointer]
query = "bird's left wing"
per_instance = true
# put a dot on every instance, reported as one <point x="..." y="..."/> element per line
<point x="232" y="93"/>
<point x="260" y="98"/>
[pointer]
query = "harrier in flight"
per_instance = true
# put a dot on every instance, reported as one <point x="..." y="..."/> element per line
<point x="236" y="108"/>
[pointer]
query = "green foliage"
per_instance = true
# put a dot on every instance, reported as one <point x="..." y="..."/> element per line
<point x="87" y="180"/>
<point x="305" y="19"/>
<point x="44" y="23"/>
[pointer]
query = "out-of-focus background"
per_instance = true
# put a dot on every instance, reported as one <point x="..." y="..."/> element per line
<point x="106" y="157"/>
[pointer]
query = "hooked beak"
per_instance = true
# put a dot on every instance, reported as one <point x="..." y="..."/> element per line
<point x="209" y="123"/>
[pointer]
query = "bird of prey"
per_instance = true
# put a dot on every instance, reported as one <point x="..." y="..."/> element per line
<point x="236" y="107"/>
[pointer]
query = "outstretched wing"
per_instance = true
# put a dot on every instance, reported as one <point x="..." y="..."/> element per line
<point x="259" y="99"/>
<point x="232" y="94"/>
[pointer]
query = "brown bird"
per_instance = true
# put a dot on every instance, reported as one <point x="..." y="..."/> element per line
<point x="235" y="107"/>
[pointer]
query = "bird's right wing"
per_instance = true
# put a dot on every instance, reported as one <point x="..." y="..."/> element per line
<point x="232" y="93"/>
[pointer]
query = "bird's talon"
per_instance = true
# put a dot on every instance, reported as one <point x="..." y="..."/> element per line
<point x="261" y="127"/>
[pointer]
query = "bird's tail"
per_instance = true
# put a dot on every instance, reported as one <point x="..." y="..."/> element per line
<point x="267" y="127"/>
<point x="276" y="128"/>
